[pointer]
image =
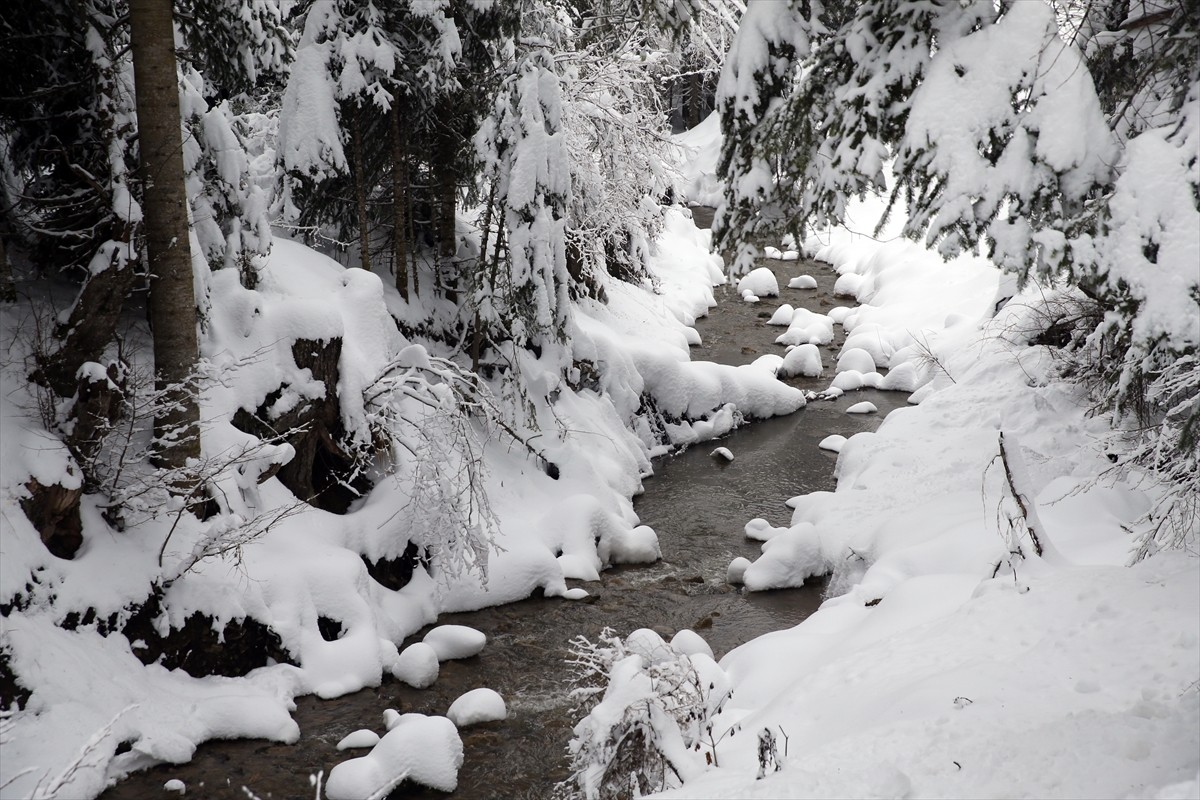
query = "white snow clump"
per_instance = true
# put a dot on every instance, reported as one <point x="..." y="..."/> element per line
<point x="476" y="706"/>
<point x="455" y="641"/>
<point x="760" y="282"/>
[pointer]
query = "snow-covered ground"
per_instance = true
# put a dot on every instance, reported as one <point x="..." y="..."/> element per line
<point x="90" y="693"/>
<point x="942" y="664"/>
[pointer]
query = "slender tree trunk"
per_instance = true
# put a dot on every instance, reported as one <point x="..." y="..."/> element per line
<point x="695" y="99"/>
<point x="360" y="188"/>
<point x="172" y="295"/>
<point x="8" y="288"/>
<point x="399" y="203"/>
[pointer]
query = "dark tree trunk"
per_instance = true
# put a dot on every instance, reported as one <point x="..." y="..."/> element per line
<point x="400" y="199"/>
<point x="695" y="99"/>
<point x="8" y="289"/>
<point x="172" y="295"/>
<point x="360" y="188"/>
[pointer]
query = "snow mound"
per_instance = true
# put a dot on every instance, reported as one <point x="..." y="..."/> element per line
<point x="803" y="360"/>
<point x="803" y="282"/>
<point x="807" y="327"/>
<point x="175" y="785"/>
<point x="761" y="530"/>
<point x="477" y="706"/>
<point x="736" y="572"/>
<point x="722" y="454"/>
<point x="782" y="315"/>
<point x="359" y="738"/>
<point x="749" y="296"/>
<point x="637" y="545"/>
<point x="787" y="560"/>
<point x="791" y="255"/>
<point x="857" y="359"/>
<point x="417" y="665"/>
<point x="865" y="407"/>
<point x="575" y="594"/>
<point x="760" y="282"/>
<point x="687" y="642"/>
<point x="772" y="252"/>
<point x="421" y="749"/>
<point x="451" y="642"/>
<point x="833" y="443"/>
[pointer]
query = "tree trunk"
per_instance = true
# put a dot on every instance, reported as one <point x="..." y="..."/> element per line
<point x="172" y="295"/>
<point x="399" y="203"/>
<point x="8" y="289"/>
<point x="695" y="99"/>
<point x="360" y="189"/>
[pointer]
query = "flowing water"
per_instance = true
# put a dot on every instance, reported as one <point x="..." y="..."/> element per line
<point x="697" y="505"/>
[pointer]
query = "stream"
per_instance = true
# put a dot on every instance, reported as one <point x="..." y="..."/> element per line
<point x="697" y="505"/>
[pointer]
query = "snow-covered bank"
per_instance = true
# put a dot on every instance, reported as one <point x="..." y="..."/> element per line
<point x="631" y="392"/>
<point x="945" y="664"/>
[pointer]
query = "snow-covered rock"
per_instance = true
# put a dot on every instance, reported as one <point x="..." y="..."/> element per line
<point x="736" y="571"/>
<point x="782" y="315"/>
<point x="857" y="359"/>
<point x="772" y="252"/>
<point x="455" y="641"/>
<point x="722" y="454"/>
<point x="803" y="282"/>
<point x="760" y="282"/>
<point x="761" y="530"/>
<point x="833" y="443"/>
<point x="417" y="665"/>
<point x="421" y="749"/>
<point x="804" y="359"/>
<point x="477" y="706"/>
<point x="359" y="738"/>
<point x="175" y="785"/>
<point x="687" y="642"/>
<point x="865" y="407"/>
<point x="791" y="255"/>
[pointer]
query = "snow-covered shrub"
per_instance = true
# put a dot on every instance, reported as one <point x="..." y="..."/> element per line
<point x="648" y="712"/>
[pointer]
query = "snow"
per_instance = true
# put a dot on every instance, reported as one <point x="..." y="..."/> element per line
<point x="358" y="739"/>
<point x="804" y="359"/>
<point x="422" y="749"/>
<point x="833" y="443"/>
<point x="855" y="358"/>
<point x="722" y="454"/>
<point x="939" y="664"/>
<point x="803" y="282"/>
<point x="736" y="572"/>
<point x="782" y="316"/>
<point x="864" y="407"/>
<point x="477" y="706"/>
<point x="687" y="642"/>
<point x="417" y="665"/>
<point x="455" y="641"/>
<point x="760" y="282"/>
<point x="575" y="594"/>
<point x="175" y="785"/>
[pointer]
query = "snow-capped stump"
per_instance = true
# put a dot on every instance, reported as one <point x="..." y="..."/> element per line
<point x="175" y="785"/>
<point x="722" y="454"/>
<point x="359" y="738"/>
<point x="833" y="443"/>
<point x="772" y="252"/>
<point x="857" y="359"/>
<point x="687" y="642"/>
<point x="421" y="749"/>
<point x="477" y="706"/>
<point x="782" y="315"/>
<point x="865" y="407"/>
<point x="455" y="641"/>
<point x="736" y="570"/>
<point x="803" y="282"/>
<point x="760" y="282"/>
<point x="417" y="665"/>
<point x="803" y="360"/>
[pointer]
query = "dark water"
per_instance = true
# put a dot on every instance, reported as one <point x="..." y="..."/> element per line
<point x="698" y="507"/>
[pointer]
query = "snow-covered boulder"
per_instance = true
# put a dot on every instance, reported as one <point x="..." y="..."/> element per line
<point x="455" y="641"/>
<point x="760" y="282"/>
<point x="736" y="571"/>
<point x="865" y="407"/>
<point x="760" y="530"/>
<point x="787" y="560"/>
<point x="687" y="642"/>
<point x="477" y="706"/>
<point x="803" y="360"/>
<point x="833" y="443"/>
<point x="857" y="359"/>
<point x="782" y="315"/>
<point x="421" y="749"/>
<point x="722" y="454"/>
<point x="417" y="665"/>
<point x="803" y="282"/>
<point x="358" y="739"/>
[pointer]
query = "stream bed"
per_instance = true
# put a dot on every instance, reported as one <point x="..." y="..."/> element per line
<point x="697" y="505"/>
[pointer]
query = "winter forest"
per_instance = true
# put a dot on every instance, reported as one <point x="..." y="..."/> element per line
<point x="599" y="398"/>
